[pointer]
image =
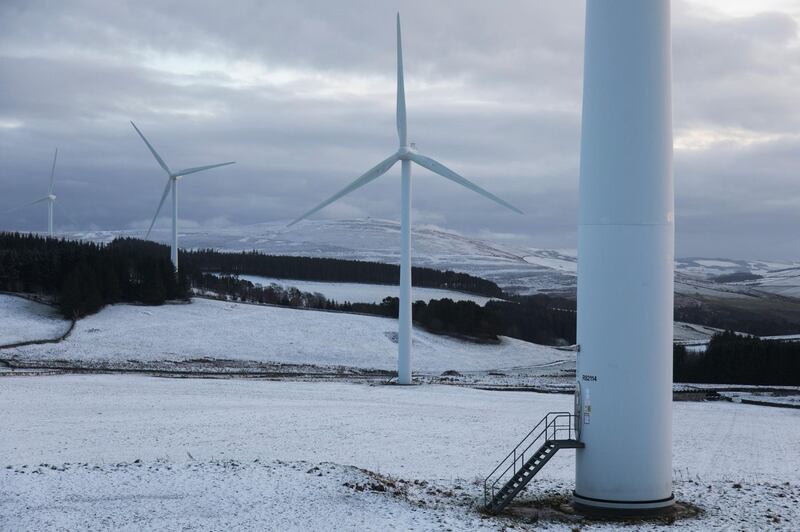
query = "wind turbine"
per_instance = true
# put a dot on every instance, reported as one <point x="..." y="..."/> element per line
<point x="405" y="154"/>
<point x="50" y="199"/>
<point x="172" y="183"/>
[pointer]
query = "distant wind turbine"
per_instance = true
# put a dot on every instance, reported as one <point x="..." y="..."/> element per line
<point x="50" y="199"/>
<point x="172" y="182"/>
<point x="405" y="154"/>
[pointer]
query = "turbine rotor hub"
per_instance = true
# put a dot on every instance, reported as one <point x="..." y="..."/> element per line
<point x="405" y="151"/>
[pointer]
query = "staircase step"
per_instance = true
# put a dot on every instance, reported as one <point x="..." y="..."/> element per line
<point x="528" y="469"/>
<point x="518" y="482"/>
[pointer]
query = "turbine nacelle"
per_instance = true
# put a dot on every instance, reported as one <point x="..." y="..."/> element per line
<point x="405" y="152"/>
<point x="51" y="197"/>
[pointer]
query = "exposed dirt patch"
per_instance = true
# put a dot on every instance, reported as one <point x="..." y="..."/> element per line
<point x="559" y="508"/>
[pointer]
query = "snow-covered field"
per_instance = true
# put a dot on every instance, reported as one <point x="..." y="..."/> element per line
<point x="215" y="495"/>
<point x="244" y="454"/>
<point x="784" y="282"/>
<point x="235" y="331"/>
<point x="780" y="397"/>
<point x="242" y="332"/>
<point x="785" y="337"/>
<point x="130" y="452"/>
<point x="364" y="293"/>
<point x="22" y="320"/>
<point x="690" y="333"/>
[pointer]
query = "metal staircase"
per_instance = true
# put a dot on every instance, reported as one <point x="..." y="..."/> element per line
<point x="555" y="431"/>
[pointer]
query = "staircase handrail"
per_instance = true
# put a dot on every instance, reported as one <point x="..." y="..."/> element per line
<point x="514" y="455"/>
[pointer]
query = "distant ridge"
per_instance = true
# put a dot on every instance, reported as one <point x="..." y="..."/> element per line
<point x="517" y="269"/>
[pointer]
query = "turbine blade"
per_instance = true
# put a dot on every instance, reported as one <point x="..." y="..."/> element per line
<point x="196" y="169"/>
<point x="53" y="172"/>
<point x="401" y="91"/>
<point x="27" y="204"/>
<point x="152" y="150"/>
<point x="163" y="197"/>
<point x="438" y="168"/>
<point x="371" y="174"/>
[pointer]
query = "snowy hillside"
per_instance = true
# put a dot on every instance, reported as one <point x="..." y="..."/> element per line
<point x="22" y="320"/>
<point x="210" y="330"/>
<point x="515" y="268"/>
<point x="243" y="332"/>
<point x="519" y="269"/>
<point x="363" y="293"/>
<point x="719" y="277"/>
<point x="690" y="333"/>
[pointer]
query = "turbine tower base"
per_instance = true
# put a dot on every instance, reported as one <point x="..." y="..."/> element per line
<point x="608" y="508"/>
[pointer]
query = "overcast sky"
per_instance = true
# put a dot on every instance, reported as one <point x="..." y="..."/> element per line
<point x="301" y="95"/>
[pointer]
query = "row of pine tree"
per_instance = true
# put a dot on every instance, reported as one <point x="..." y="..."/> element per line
<point x="82" y="277"/>
<point x="731" y="358"/>
<point x="540" y="318"/>
<point x="329" y="270"/>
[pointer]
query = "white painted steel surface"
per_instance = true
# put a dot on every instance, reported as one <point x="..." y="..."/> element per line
<point x="172" y="183"/>
<point x="51" y="198"/>
<point x="625" y="258"/>
<point x="406" y="154"/>
<point x="50" y="217"/>
<point x="404" y="317"/>
<point x="174" y="245"/>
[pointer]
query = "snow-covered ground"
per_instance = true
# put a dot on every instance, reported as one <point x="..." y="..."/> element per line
<point x="22" y="320"/>
<point x="364" y="293"/>
<point x="235" y="331"/>
<point x="209" y="335"/>
<point x="691" y="333"/>
<point x="244" y="454"/>
<point x="784" y="337"/>
<point x="780" y="397"/>
<point x="784" y="281"/>
<point x="214" y="495"/>
<point x="697" y="276"/>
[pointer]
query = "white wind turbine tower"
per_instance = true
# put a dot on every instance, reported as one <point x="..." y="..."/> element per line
<point x="406" y="154"/>
<point x="50" y="199"/>
<point x="172" y="183"/>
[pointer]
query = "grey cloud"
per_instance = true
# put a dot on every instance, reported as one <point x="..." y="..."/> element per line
<point x="494" y="92"/>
